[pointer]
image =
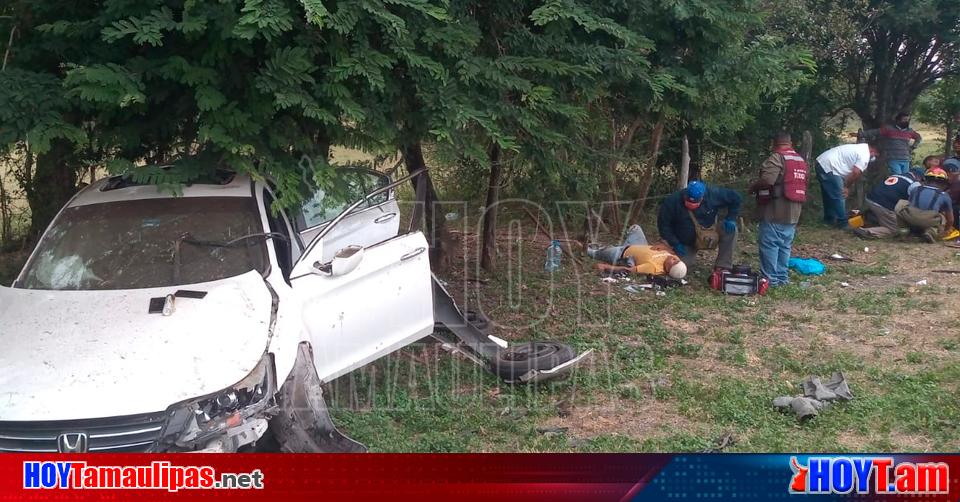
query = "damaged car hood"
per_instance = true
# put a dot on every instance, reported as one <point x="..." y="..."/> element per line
<point x="86" y="354"/>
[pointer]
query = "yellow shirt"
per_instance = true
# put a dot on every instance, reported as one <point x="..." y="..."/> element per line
<point x="647" y="260"/>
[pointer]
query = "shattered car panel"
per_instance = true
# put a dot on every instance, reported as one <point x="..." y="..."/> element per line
<point x="303" y="423"/>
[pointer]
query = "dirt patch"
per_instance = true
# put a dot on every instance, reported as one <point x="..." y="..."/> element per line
<point x="643" y="420"/>
<point x="901" y="441"/>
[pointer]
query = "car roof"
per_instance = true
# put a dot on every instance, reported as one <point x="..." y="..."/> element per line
<point x="116" y="189"/>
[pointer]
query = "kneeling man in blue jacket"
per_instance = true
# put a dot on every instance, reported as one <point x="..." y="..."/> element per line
<point x="694" y="211"/>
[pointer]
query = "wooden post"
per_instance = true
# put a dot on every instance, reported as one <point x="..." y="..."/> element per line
<point x="6" y="53"/>
<point x="806" y="147"/>
<point x="684" y="162"/>
<point x="488" y="245"/>
<point x="948" y="148"/>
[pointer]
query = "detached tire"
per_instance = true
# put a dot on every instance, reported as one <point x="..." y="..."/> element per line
<point x="512" y="363"/>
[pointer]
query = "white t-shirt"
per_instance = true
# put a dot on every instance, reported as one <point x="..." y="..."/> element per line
<point x="842" y="159"/>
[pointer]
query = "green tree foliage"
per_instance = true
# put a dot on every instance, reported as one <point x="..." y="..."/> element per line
<point x="941" y="106"/>
<point x="877" y="57"/>
<point x="192" y="86"/>
<point x="554" y="98"/>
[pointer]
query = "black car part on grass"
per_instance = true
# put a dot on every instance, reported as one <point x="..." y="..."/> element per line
<point x="468" y="333"/>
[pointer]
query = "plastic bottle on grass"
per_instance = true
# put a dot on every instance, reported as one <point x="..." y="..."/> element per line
<point x="554" y="254"/>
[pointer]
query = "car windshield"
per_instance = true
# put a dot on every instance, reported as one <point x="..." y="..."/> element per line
<point x="148" y="243"/>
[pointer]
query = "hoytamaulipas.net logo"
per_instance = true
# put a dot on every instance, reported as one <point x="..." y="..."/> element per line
<point x="868" y="475"/>
<point x="159" y="475"/>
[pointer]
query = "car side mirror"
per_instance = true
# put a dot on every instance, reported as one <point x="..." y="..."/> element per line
<point x="345" y="261"/>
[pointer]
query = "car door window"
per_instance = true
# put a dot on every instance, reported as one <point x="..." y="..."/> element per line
<point x="349" y="186"/>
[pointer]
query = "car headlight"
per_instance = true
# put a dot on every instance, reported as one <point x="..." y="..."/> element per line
<point x="200" y="419"/>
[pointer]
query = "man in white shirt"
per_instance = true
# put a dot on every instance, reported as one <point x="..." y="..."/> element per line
<point x="837" y="169"/>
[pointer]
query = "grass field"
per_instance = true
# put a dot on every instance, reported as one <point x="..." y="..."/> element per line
<point x="690" y="370"/>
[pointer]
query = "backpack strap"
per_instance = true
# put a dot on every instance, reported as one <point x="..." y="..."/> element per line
<point x="696" y="224"/>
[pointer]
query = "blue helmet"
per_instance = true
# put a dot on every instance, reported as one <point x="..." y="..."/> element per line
<point x="917" y="173"/>
<point x="696" y="190"/>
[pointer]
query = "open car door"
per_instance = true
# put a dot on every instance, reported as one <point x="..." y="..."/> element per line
<point x="365" y="301"/>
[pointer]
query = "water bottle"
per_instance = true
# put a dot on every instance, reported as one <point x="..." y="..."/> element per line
<point x="554" y="254"/>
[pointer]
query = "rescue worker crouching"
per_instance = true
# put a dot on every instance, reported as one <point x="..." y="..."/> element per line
<point x="928" y="212"/>
<point x="687" y="221"/>
<point x="881" y="202"/>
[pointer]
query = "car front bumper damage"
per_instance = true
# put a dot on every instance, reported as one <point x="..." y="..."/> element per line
<point x="303" y="424"/>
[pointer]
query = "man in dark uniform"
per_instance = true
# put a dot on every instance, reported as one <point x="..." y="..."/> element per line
<point x="881" y="202"/>
<point x="687" y="221"/>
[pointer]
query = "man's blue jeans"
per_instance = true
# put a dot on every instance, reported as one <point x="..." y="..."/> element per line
<point x="898" y="166"/>
<point x="775" y="241"/>
<point x="612" y="254"/>
<point x="834" y="203"/>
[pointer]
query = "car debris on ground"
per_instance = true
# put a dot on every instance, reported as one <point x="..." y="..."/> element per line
<point x="816" y="396"/>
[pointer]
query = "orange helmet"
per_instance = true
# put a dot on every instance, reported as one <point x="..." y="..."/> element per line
<point x="936" y="173"/>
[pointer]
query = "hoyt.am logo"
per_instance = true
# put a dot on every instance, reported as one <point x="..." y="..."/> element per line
<point x="868" y="475"/>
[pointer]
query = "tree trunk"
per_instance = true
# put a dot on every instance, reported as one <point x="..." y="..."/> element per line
<point x="435" y="227"/>
<point x="488" y="247"/>
<point x="656" y="140"/>
<point x="51" y="186"/>
<point x="612" y="188"/>
<point x="5" y="224"/>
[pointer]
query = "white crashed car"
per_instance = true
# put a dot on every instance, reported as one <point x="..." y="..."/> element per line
<point x="145" y="321"/>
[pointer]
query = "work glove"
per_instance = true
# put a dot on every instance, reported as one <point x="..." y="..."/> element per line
<point x="680" y="249"/>
<point x="729" y="226"/>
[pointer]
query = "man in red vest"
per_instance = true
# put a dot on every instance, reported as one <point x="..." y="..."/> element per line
<point x="781" y="190"/>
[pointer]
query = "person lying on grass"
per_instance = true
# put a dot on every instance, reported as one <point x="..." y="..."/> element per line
<point x="636" y="256"/>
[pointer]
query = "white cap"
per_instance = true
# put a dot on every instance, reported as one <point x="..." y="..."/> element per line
<point x="678" y="271"/>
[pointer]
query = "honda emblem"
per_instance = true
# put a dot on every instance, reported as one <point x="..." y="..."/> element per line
<point x="72" y="442"/>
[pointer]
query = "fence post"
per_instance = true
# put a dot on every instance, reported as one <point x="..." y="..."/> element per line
<point x="684" y="162"/>
<point x="806" y="147"/>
